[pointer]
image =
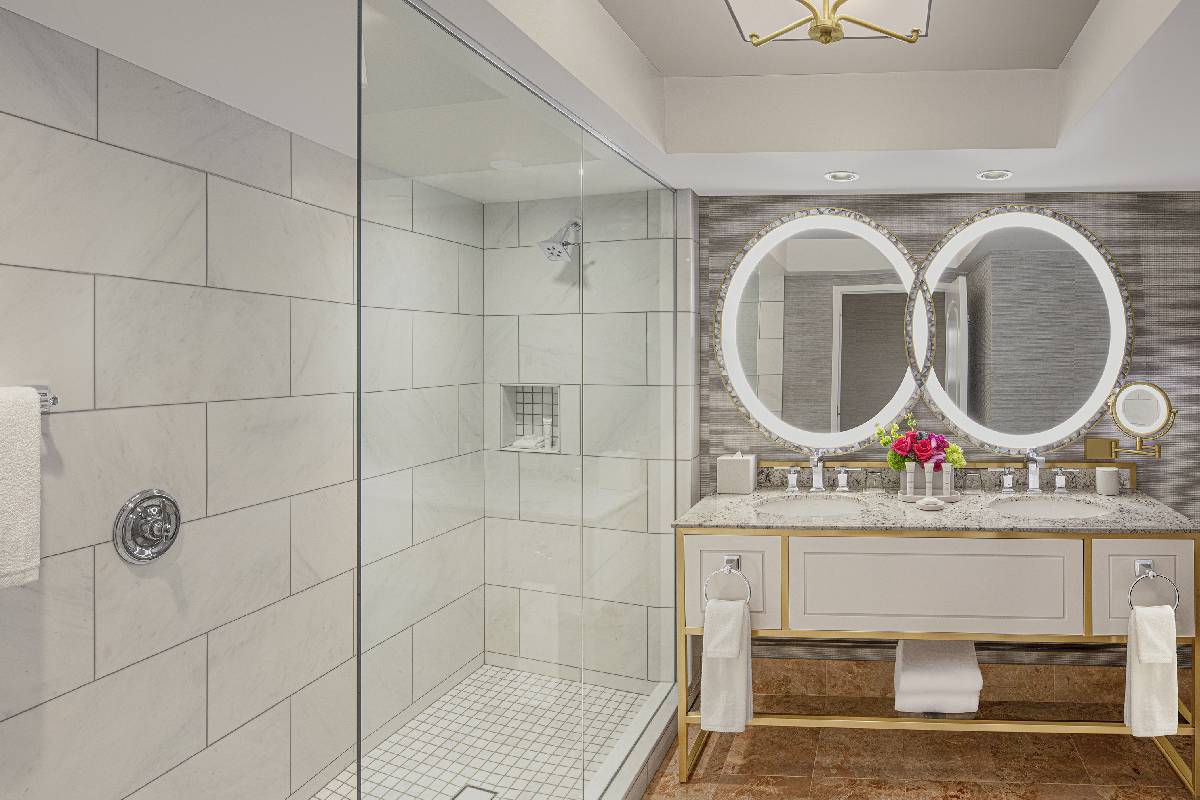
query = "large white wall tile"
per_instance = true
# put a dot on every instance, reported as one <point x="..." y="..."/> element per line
<point x="386" y="197"/>
<point x="609" y="217"/>
<point x="439" y="213"/>
<point x="323" y="343"/>
<point x="533" y="555"/>
<point x="260" y="659"/>
<point x="447" y="348"/>
<point x="541" y="219"/>
<point x="386" y="680"/>
<point x="387" y="514"/>
<point x="446" y="640"/>
<point x="660" y="346"/>
<point x="687" y="282"/>
<point x="570" y="410"/>
<point x="470" y="417"/>
<point x="500" y="225"/>
<point x="614" y="638"/>
<point x="324" y="722"/>
<point x="94" y="461"/>
<point x="161" y="343"/>
<point x="447" y="494"/>
<point x="661" y="214"/>
<point x="324" y="530"/>
<point x="500" y="349"/>
<point x="194" y="587"/>
<point x="404" y="588"/>
<point x="252" y="762"/>
<point x="46" y="627"/>
<point x="46" y="329"/>
<point x="324" y="177"/>
<point x="628" y="421"/>
<point x="687" y="210"/>
<point x="407" y="270"/>
<point x="502" y="484"/>
<point x="520" y="280"/>
<point x="660" y="644"/>
<point x="78" y="745"/>
<point x="261" y="450"/>
<point x="661" y="492"/>
<point x="409" y="427"/>
<point x="550" y="348"/>
<point x="687" y="426"/>
<point x="551" y="628"/>
<point x="260" y="242"/>
<point x="551" y="488"/>
<point x="614" y="493"/>
<point x="48" y="77"/>
<point x="470" y="279"/>
<point x="387" y="346"/>
<point x="148" y="113"/>
<point x="614" y="348"/>
<point x="629" y="276"/>
<point x="75" y="204"/>
<point x="503" y="620"/>
<point x="628" y="567"/>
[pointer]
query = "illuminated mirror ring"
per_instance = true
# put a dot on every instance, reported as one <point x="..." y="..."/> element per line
<point x="734" y="286"/>
<point x="1143" y="410"/>
<point x="1119" y="309"/>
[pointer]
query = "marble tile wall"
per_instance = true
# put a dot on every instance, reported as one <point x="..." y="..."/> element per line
<point x="181" y="274"/>
<point x="580" y="564"/>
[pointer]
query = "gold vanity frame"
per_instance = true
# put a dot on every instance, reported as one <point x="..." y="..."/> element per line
<point x="690" y="754"/>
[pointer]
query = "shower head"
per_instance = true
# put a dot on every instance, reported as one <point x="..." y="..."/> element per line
<point x="558" y="246"/>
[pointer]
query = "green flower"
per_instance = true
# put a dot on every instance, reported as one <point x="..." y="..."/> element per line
<point x="955" y="457"/>
<point x="896" y="461"/>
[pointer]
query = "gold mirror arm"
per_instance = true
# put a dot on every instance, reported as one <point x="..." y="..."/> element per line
<point x="758" y="41"/>
<point x="862" y="23"/>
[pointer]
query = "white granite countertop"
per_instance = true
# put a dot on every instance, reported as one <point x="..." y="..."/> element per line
<point x="1127" y="513"/>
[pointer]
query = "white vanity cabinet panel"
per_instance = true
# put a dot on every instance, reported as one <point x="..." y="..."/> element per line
<point x="1009" y="586"/>
<point x="1113" y="572"/>
<point x="704" y="555"/>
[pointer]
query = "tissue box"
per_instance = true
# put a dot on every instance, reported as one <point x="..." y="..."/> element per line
<point x="736" y="474"/>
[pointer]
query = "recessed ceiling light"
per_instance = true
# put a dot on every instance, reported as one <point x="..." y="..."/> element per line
<point x="995" y="175"/>
<point x="841" y="176"/>
<point x="505" y="164"/>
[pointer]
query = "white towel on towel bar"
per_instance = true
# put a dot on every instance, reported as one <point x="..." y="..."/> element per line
<point x="1151" y="678"/>
<point x="726" y="684"/>
<point x="20" y="485"/>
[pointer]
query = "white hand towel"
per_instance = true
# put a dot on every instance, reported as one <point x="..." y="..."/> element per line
<point x="20" y="485"/>
<point x="1151" y="678"/>
<point x="726" y="684"/>
<point x="930" y="667"/>
<point x="937" y="702"/>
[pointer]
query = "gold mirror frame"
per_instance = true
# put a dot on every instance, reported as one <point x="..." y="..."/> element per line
<point x="1141" y="436"/>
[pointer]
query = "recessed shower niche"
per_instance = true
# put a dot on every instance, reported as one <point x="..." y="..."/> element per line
<point x="529" y="418"/>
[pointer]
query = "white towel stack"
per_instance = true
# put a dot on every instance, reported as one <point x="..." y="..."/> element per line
<point x="939" y="677"/>
<point x="20" y="485"/>
<point x="726" y="684"/>
<point x="1151" y="674"/>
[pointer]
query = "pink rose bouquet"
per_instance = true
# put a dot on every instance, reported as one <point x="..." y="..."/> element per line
<point x="921" y="447"/>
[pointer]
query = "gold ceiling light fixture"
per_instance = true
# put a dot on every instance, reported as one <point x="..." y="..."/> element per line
<point x="825" y="26"/>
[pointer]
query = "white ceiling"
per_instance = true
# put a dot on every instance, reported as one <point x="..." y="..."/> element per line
<point x="700" y="38"/>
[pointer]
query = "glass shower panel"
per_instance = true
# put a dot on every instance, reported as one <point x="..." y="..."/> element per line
<point x="470" y="431"/>
<point x="628" y="368"/>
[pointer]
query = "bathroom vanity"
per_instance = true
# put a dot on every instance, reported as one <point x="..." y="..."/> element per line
<point x="991" y="567"/>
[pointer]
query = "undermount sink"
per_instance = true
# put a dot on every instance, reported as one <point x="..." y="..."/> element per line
<point x="1047" y="507"/>
<point x="806" y="506"/>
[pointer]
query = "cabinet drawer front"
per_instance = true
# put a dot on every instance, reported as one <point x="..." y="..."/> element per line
<point x="704" y="555"/>
<point x="1113" y="573"/>
<point x="1015" y="586"/>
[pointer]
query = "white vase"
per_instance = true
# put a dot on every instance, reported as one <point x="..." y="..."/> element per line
<point x="947" y="479"/>
<point x="928" y="479"/>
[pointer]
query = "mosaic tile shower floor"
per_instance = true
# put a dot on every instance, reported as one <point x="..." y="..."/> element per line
<point x="516" y="733"/>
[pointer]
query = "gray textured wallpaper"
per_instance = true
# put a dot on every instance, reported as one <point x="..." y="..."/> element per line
<point x="1154" y="237"/>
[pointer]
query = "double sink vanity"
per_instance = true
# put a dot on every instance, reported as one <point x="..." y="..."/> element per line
<point x="1013" y="338"/>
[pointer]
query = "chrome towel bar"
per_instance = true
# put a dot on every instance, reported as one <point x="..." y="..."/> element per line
<point x="1152" y="575"/>
<point x="732" y="567"/>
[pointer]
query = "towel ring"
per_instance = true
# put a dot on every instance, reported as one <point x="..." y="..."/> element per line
<point x="1151" y="574"/>
<point x="729" y="570"/>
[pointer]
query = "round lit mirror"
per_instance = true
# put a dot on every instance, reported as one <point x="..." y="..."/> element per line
<point x="810" y="330"/>
<point x="1143" y="410"/>
<point x="1038" y="333"/>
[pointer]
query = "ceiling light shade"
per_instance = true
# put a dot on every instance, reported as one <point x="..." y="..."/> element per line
<point x="841" y="176"/>
<point x="825" y="23"/>
<point x="995" y="175"/>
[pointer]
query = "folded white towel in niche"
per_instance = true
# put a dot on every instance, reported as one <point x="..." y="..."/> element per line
<point x="726" y="683"/>
<point x="20" y="485"/>
<point x="1151" y="678"/>
<point x="927" y="667"/>
<point x="937" y="702"/>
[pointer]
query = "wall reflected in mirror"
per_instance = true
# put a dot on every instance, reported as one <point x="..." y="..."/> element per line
<point x="820" y="330"/>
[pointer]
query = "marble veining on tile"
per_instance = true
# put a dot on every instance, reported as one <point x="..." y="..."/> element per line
<point x="48" y="77"/>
